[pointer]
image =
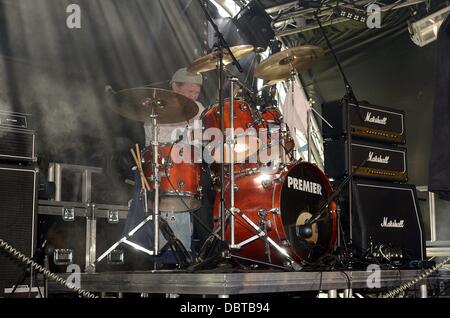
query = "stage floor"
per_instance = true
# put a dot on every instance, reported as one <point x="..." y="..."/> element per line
<point x="226" y="284"/>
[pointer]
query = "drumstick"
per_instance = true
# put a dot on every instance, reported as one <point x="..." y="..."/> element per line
<point x="138" y="152"/>
<point x="139" y="166"/>
<point x="138" y="155"/>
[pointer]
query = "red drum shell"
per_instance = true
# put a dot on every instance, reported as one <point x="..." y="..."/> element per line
<point x="274" y="192"/>
<point x="245" y="126"/>
<point x="179" y="177"/>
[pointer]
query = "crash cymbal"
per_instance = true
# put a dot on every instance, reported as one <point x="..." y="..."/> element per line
<point x="280" y="65"/>
<point x="209" y="62"/>
<point x="140" y="103"/>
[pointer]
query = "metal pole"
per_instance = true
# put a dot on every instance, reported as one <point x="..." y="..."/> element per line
<point x="231" y="150"/>
<point x="222" y="153"/>
<point x="308" y="119"/>
<point x="332" y="293"/>
<point x="423" y="291"/>
<point x="58" y="181"/>
<point x="87" y="186"/>
<point x="432" y="204"/>
<point x="348" y="293"/>
<point x="155" y="182"/>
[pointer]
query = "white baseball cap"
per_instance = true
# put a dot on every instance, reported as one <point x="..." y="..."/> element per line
<point x="183" y="76"/>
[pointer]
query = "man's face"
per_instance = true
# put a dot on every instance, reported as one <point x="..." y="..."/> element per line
<point x="191" y="91"/>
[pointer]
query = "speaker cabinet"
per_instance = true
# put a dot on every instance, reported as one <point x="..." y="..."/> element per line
<point x="254" y="24"/>
<point x="17" y="220"/>
<point x="386" y="222"/>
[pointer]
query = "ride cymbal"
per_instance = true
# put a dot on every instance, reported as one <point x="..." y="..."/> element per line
<point x="209" y="62"/>
<point x="280" y="65"/>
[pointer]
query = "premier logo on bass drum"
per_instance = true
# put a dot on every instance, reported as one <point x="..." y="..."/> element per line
<point x="304" y="185"/>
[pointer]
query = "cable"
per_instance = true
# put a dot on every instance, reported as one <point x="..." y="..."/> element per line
<point x="425" y="274"/>
<point x="28" y="261"/>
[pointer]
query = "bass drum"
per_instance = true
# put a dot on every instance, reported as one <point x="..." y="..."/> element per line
<point x="280" y="201"/>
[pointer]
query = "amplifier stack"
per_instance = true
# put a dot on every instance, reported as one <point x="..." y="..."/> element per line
<point x="383" y="221"/>
<point x="18" y="193"/>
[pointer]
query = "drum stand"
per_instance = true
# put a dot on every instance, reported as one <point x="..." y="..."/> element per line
<point x="222" y="46"/>
<point x="233" y="209"/>
<point x="153" y="103"/>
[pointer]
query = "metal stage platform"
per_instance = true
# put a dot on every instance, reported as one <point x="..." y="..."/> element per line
<point x="227" y="284"/>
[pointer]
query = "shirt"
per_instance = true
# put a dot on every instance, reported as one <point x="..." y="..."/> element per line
<point x="168" y="133"/>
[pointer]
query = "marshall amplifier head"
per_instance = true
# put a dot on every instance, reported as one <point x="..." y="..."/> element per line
<point x="367" y="121"/>
<point x="387" y="224"/>
<point x="383" y="162"/>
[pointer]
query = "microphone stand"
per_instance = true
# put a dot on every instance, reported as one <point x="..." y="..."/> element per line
<point x="348" y="97"/>
<point x="334" y="195"/>
<point x="221" y="45"/>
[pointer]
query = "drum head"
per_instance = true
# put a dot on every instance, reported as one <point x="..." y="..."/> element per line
<point x="305" y="188"/>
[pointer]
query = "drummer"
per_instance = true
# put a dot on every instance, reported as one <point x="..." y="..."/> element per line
<point x="188" y="85"/>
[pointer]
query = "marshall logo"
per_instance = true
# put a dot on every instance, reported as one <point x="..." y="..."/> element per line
<point x="378" y="158"/>
<point x="305" y="186"/>
<point x="375" y="120"/>
<point x="392" y="223"/>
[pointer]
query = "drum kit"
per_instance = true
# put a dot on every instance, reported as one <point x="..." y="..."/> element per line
<point x="266" y="205"/>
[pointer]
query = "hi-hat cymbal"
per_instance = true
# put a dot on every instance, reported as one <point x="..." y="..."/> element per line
<point x="209" y="62"/>
<point x="280" y="65"/>
<point x="140" y="104"/>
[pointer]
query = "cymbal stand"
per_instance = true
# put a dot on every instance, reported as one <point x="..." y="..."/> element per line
<point x="231" y="143"/>
<point x="155" y="168"/>
<point x="221" y="45"/>
<point x="149" y="102"/>
<point x="261" y="233"/>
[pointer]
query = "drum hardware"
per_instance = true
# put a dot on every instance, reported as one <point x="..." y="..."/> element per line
<point x="261" y="233"/>
<point x="225" y="214"/>
<point x="266" y="184"/>
<point x="158" y="106"/>
<point x="306" y="229"/>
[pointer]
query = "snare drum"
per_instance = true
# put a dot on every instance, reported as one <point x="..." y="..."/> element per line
<point x="245" y="127"/>
<point x="279" y="202"/>
<point x="180" y="189"/>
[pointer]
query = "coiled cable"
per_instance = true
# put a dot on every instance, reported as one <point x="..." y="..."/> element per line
<point x="402" y="288"/>
<point x="29" y="262"/>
